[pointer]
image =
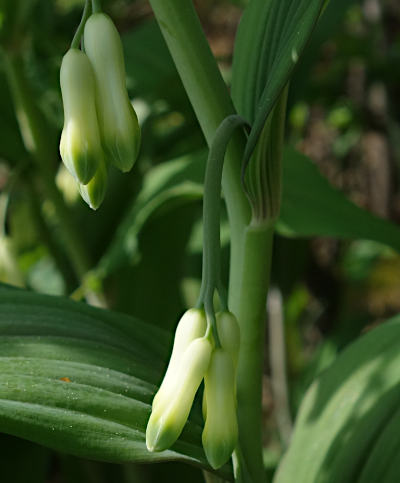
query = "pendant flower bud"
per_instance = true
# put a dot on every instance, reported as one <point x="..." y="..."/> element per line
<point x="221" y="429"/>
<point x="168" y="419"/>
<point x="193" y="324"/>
<point x="118" y="122"/>
<point x="80" y="145"/>
<point x="93" y="192"/>
<point x="229" y="334"/>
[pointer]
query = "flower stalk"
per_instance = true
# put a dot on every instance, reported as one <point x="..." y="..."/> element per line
<point x="251" y="243"/>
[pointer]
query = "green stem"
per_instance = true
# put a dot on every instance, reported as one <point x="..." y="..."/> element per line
<point x="36" y="135"/>
<point x="211" y="102"/>
<point x="79" y="31"/>
<point x="211" y="216"/>
<point x="250" y="308"/>
<point x="96" y="6"/>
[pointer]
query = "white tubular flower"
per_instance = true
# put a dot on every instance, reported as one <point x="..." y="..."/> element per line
<point x="80" y="145"/>
<point x="118" y="122"/>
<point x="220" y="432"/>
<point x="168" y="419"/>
<point x="192" y="325"/>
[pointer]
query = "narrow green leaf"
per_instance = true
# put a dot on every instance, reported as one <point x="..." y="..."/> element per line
<point x="383" y="463"/>
<point x="347" y="413"/>
<point x="311" y="206"/>
<point x="81" y="380"/>
<point x="271" y="37"/>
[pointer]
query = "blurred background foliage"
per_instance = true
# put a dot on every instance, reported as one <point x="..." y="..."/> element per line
<point x="143" y="247"/>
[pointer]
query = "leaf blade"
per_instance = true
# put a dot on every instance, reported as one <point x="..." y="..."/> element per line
<point x="345" y="409"/>
<point x="311" y="206"/>
<point x="72" y="389"/>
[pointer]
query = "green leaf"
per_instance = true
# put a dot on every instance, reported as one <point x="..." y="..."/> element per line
<point x="175" y="181"/>
<point x="156" y="274"/>
<point x="271" y="37"/>
<point x="349" y="419"/>
<point x="81" y="380"/>
<point x="383" y="463"/>
<point x="311" y="206"/>
<point x="149" y="65"/>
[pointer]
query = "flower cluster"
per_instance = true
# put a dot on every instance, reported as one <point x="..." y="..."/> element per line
<point x="195" y="357"/>
<point x="100" y="124"/>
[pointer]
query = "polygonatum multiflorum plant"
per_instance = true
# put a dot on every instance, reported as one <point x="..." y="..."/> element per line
<point x="97" y="384"/>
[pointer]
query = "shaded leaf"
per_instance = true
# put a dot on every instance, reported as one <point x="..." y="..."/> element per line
<point x="165" y="185"/>
<point x="149" y="65"/>
<point x="271" y="36"/>
<point x="311" y="206"/>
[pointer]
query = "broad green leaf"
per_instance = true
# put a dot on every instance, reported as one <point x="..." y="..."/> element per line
<point x="349" y="419"/>
<point x="171" y="182"/>
<point x="81" y="380"/>
<point x="271" y="36"/>
<point x="311" y="206"/>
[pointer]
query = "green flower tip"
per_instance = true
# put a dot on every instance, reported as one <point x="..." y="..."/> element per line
<point x="220" y="430"/>
<point x="93" y="192"/>
<point x="172" y="407"/>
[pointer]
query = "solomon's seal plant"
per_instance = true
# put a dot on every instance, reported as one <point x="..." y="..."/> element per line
<point x="86" y="381"/>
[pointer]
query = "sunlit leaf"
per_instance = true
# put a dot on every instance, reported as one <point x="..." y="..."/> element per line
<point x="350" y="416"/>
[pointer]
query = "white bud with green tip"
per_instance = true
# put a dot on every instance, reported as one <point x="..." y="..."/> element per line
<point x="220" y="432"/>
<point x="229" y="336"/>
<point x="192" y="325"/>
<point x="118" y="122"/>
<point x="80" y="144"/>
<point x="168" y="419"/>
<point x="93" y="192"/>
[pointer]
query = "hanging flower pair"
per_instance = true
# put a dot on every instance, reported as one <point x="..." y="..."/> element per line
<point x="195" y="357"/>
<point x="100" y="124"/>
